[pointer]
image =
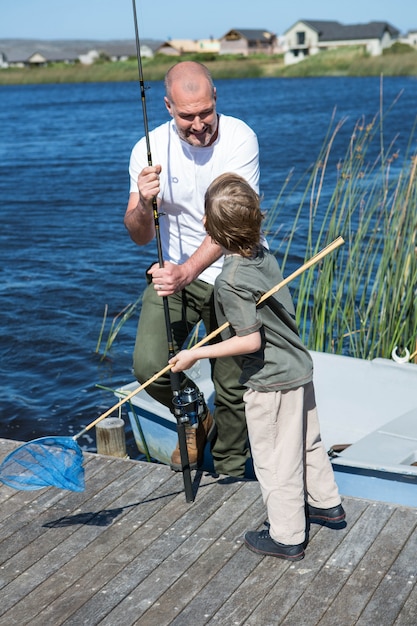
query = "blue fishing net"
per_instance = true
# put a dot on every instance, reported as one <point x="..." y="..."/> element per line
<point x="44" y="462"/>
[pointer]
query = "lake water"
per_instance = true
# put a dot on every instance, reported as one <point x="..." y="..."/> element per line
<point x="65" y="255"/>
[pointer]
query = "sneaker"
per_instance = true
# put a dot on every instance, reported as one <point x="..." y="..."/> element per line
<point x="334" y="515"/>
<point x="196" y="438"/>
<point x="262" y="543"/>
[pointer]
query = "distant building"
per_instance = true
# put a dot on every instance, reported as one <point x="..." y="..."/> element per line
<point x="176" y="47"/>
<point x="210" y="45"/>
<point x="37" y="59"/>
<point x="248" y="41"/>
<point x="410" y="38"/>
<point x="29" y="53"/>
<point x="307" y="37"/>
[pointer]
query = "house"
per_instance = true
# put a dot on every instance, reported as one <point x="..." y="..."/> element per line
<point x="248" y="41"/>
<point x="176" y="47"/>
<point x="410" y="38"/>
<point x="35" y="53"/>
<point x="211" y="45"/>
<point x="30" y="53"/>
<point x="308" y="37"/>
<point x="37" y="60"/>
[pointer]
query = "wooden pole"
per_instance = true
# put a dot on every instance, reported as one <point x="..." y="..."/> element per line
<point x="110" y="436"/>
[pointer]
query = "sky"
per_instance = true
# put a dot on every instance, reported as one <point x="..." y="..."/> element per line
<point x="184" y="19"/>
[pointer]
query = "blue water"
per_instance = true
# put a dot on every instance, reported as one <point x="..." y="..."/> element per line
<point x="64" y="252"/>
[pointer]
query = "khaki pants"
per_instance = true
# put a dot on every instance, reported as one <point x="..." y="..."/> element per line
<point x="290" y="461"/>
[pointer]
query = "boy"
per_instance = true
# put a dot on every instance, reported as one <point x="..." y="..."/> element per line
<point x="290" y="462"/>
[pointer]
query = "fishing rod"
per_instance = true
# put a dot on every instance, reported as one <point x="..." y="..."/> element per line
<point x="180" y="406"/>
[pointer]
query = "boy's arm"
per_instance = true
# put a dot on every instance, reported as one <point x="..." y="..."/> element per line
<point x="230" y="347"/>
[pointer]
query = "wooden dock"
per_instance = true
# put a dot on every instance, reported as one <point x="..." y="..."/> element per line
<point x="131" y="550"/>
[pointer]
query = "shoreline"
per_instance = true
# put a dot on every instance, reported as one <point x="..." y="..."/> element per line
<point x="350" y="62"/>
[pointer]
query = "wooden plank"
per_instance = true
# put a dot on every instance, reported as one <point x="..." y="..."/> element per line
<point x="52" y="504"/>
<point x="408" y="613"/>
<point x="21" y="506"/>
<point x="399" y="581"/>
<point x="333" y="555"/>
<point x="238" y="586"/>
<point x="43" y="554"/>
<point x="112" y="525"/>
<point x="170" y="587"/>
<point x="369" y="574"/>
<point x="96" y="568"/>
<point x="149" y="546"/>
<point x="98" y="563"/>
<point x="221" y="587"/>
<point x="101" y="576"/>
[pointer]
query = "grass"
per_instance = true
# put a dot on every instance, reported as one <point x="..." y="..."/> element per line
<point x="353" y="61"/>
<point x="350" y="61"/>
<point x="363" y="300"/>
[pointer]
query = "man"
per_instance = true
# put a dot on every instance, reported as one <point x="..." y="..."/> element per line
<point x="188" y="152"/>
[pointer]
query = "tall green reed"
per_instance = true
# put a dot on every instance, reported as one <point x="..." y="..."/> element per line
<point x="116" y="325"/>
<point x="362" y="300"/>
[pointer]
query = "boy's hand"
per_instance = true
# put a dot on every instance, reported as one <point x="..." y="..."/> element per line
<point x="183" y="361"/>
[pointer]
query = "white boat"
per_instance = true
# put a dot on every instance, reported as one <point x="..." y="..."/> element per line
<point x="367" y="408"/>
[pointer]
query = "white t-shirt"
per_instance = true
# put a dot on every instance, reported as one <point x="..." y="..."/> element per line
<point x="186" y="173"/>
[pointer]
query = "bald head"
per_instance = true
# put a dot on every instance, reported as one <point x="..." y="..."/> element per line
<point x="191" y="101"/>
<point x="189" y="77"/>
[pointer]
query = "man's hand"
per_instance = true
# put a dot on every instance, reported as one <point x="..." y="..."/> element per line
<point x="148" y="184"/>
<point x="172" y="278"/>
<point x="139" y="218"/>
<point x="169" y="279"/>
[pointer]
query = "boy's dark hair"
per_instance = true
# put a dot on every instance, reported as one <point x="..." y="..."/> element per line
<point x="232" y="213"/>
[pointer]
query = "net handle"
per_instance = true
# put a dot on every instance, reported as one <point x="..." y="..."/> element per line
<point x="314" y="259"/>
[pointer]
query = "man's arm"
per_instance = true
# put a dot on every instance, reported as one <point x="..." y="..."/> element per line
<point x="139" y="221"/>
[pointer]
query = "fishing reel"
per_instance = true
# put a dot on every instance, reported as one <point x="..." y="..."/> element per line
<point x="189" y="406"/>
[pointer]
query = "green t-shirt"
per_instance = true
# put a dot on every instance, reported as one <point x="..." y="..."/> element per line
<point x="283" y="362"/>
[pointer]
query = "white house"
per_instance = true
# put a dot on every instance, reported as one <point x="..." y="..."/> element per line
<point x="410" y="38"/>
<point x="307" y="37"/>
